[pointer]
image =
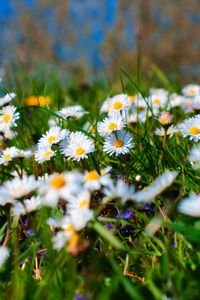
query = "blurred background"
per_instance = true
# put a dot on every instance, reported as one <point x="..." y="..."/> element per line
<point x="90" y="37"/>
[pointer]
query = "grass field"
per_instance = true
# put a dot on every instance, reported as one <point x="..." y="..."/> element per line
<point x="99" y="188"/>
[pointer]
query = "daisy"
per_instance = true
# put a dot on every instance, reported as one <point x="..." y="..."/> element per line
<point x="59" y="186"/>
<point x="106" y="105"/>
<point x="93" y="181"/>
<point x="18" y="187"/>
<point x="191" y="128"/>
<point x="9" y="134"/>
<point x="156" y="188"/>
<point x="165" y="119"/>
<point x="158" y="101"/>
<point x="8" y="154"/>
<point x="108" y="125"/>
<point x="4" y="254"/>
<point x="80" y="201"/>
<point x="119" y="103"/>
<point x="54" y="135"/>
<point x="119" y="190"/>
<point x="33" y="203"/>
<point x="18" y="209"/>
<point x="8" y="117"/>
<point x="170" y="131"/>
<point x="75" y="111"/>
<point x="191" y="90"/>
<point x="118" y="143"/>
<point x="78" y="147"/>
<point x="42" y="155"/>
<point x="176" y="100"/>
<point x="7" y="98"/>
<point x="194" y="157"/>
<point x="190" y="206"/>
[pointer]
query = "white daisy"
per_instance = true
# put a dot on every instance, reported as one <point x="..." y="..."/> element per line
<point x="118" y="143"/>
<point x="42" y="155"/>
<point x="191" y="128"/>
<point x="75" y="111"/>
<point x="194" y="157"/>
<point x="54" y="135"/>
<point x="176" y="100"/>
<point x="33" y="203"/>
<point x="7" y="98"/>
<point x="18" y="209"/>
<point x="93" y="181"/>
<point x="190" y="206"/>
<point x="119" y="190"/>
<point x="9" y="134"/>
<point x="80" y="200"/>
<point x="191" y="90"/>
<point x="119" y="103"/>
<point x="158" y="101"/>
<point x="4" y="254"/>
<point x="8" y="117"/>
<point x="165" y="118"/>
<point x="78" y="147"/>
<point x="8" y="154"/>
<point x="170" y="131"/>
<point x="105" y="106"/>
<point x="59" y="186"/>
<point x="156" y="188"/>
<point x="108" y="125"/>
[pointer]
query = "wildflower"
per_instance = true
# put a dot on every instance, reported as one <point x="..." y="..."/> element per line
<point x="93" y="181"/>
<point x="118" y="103"/>
<point x="191" y="128"/>
<point x="165" y="119"/>
<point x="105" y="106"/>
<point x="156" y="188"/>
<point x="176" y="100"/>
<point x="79" y="201"/>
<point x="42" y="155"/>
<point x="121" y="190"/>
<point x="8" y="117"/>
<point x="38" y="100"/>
<point x="108" y="125"/>
<point x="75" y="111"/>
<point x="4" y="254"/>
<point x="190" y="206"/>
<point x="191" y="90"/>
<point x="158" y="99"/>
<point x="194" y="157"/>
<point x="118" y="143"/>
<point x="170" y="131"/>
<point x="59" y="186"/>
<point x="54" y="135"/>
<point x="33" y="203"/>
<point x="7" y="98"/>
<point x="8" y="154"/>
<point x="78" y="147"/>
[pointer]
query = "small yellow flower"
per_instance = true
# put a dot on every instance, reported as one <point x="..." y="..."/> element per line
<point x="37" y="100"/>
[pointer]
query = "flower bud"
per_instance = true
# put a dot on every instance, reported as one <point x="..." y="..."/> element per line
<point x="165" y="119"/>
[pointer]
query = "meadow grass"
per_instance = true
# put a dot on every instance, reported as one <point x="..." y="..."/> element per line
<point x="126" y="250"/>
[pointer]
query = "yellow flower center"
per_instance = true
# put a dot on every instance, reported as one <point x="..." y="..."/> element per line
<point x="112" y="126"/>
<point x="48" y="153"/>
<point x="84" y="202"/>
<point x="80" y="151"/>
<point x="69" y="228"/>
<point x="132" y="98"/>
<point x="156" y="101"/>
<point x="6" y="118"/>
<point x="117" y="105"/>
<point x="188" y="103"/>
<point x="6" y="156"/>
<point x="51" y="139"/>
<point x="194" y="130"/>
<point x="118" y="143"/>
<point x="92" y="175"/>
<point x="58" y="182"/>
<point x="191" y="92"/>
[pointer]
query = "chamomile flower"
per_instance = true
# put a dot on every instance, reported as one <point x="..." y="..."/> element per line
<point x="108" y="125"/>
<point x="119" y="190"/>
<point x="156" y="188"/>
<point x="158" y="101"/>
<point x="18" y="209"/>
<point x="42" y="155"/>
<point x="191" y="90"/>
<point x="9" y="134"/>
<point x="75" y="111"/>
<point x="105" y="108"/>
<point x="119" y="103"/>
<point x="118" y="143"/>
<point x="8" y="117"/>
<point x="19" y="187"/>
<point x="93" y="181"/>
<point x="79" y="201"/>
<point x="78" y="147"/>
<point x="53" y="136"/>
<point x="59" y="186"/>
<point x="4" y="254"/>
<point x="8" y="154"/>
<point x="191" y="128"/>
<point x="169" y="131"/>
<point x="194" y="157"/>
<point x="7" y="98"/>
<point x="190" y="206"/>
<point x="176" y="100"/>
<point x="33" y="203"/>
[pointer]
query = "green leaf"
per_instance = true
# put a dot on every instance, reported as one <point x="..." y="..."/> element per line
<point x="188" y="231"/>
<point x="2" y="231"/>
<point x="28" y="252"/>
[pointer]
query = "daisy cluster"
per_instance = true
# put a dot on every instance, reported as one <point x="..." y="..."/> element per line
<point x="85" y="187"/>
